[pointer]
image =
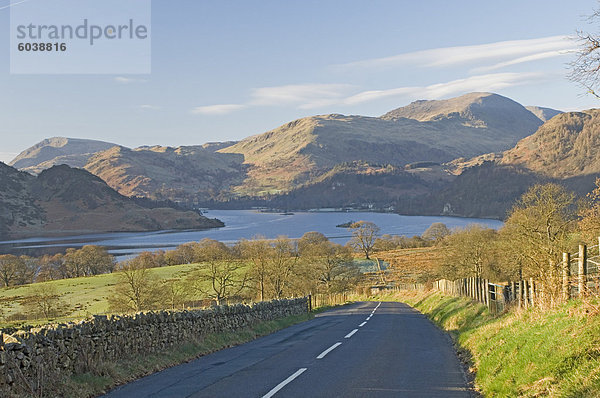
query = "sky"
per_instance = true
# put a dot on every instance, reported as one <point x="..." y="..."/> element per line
<point x="225" y="70"/>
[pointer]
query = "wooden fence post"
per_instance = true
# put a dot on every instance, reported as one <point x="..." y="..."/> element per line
<point x="526" y="293"/>
<point x="532" y="295"/>
<point x="520" y="296"/>
<point x="582" y="270"/>
<point x="566" y="273"/>
<point x="487" y="293"/>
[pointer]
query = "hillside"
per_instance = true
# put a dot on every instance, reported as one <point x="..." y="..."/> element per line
<point x="63" y="201"/>
<point x="565" y="150"/>
<point x="53" y="151"/>
<point x="185" y="174"/>
<point x="305" y="155"/>
<point x="300" y="151"/>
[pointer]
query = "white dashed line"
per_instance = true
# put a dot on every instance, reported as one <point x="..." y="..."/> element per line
<point x="327" y="351"/>
<point x="362" y="324"/>
<point x="350" y="334"/>
<point x="283" y="383"/>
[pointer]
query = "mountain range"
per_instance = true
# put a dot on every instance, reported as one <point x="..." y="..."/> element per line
<point x="471" y="156"/>
<point x="300" y="154"/>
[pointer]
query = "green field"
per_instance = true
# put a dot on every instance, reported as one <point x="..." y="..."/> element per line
<point x="86" y="295"/>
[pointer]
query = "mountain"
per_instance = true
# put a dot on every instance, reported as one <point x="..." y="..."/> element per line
<point x="17" y="205"/>
<point x="564" y="150"/>
<point x="300" y="151"/>
<point x="63" y="201"/>
<point x="566" y="146"/>
<point x="299" y="158"/>
<point x="58" y="150"/>
<point x="544" y="114"/>
<point x="185" y="174"/>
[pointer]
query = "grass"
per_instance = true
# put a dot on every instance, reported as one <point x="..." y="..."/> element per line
<point x="522" y="353"/>
<point x="86" y="295"/>
<point x="108" y="375"/>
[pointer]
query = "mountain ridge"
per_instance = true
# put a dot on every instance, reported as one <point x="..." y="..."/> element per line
<point x="62" y="200"/>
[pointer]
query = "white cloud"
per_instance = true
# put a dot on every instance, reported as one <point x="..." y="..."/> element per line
<point x="520" y="60"/>
<point x="489" y="82"/>
<point x="308" y="96"/>
<point x="149" y="107"/>
<point x="128" y="80"/>
<point x="221" y="109"/>
<point x="447" y="56"/>
<point x="305" y="96"/>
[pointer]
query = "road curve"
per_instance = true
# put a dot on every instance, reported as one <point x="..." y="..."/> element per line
<point x="367" y="349"/>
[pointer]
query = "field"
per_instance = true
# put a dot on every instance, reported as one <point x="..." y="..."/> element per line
<point x="87" y="295"/>
<point x="412" y="265"/>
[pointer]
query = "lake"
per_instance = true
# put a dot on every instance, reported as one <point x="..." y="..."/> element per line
<point x="240" y="224"/>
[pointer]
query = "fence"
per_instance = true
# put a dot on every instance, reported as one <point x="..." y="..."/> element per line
<point x="491" y="294"/>
<point x="327" y="299"/>
<point x="580" y="278"/>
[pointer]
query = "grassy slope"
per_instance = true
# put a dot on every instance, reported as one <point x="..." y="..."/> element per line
<point x="88" y="295"/>
<point x="523" y="353"/>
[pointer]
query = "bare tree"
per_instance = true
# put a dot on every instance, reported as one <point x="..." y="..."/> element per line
<point x="138" y="289"/>
<point x="364" y="235"/>
<point x="282" y="267"/>
<point x="44" y="302"/>
<point x="538" y="231"/>
<point x="436" y="232"/>
<point x="8" y="268"/>
<point x="221" y="275"/>
<point x="257" y="252"/>
<point x="469" y="252"/>
<point x="585" y="69"/>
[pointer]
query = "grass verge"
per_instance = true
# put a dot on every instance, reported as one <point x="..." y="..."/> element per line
<point x="522" y="353"/>
<point x="108" y="375"/>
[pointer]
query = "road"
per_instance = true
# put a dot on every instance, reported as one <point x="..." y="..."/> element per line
<point x="367" y="349"/>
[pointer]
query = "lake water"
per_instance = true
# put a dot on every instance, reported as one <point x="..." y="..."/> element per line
<point x="240" y="224"/>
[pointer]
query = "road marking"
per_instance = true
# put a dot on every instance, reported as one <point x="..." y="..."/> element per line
<point x="283" y="383"/>
<point x="350" y="334"/>
<point x="368" y="318"/>
<point x="362" y="324"/>
<point x="327" y="351"/>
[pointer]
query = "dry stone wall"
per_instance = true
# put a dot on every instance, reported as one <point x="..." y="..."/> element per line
<point x="31" y="359"/>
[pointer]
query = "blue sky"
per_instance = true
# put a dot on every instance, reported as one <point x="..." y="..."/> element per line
<point x="224" y="70"/>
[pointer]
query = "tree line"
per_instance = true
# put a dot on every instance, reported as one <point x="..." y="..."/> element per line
<point x="545" y="222"/>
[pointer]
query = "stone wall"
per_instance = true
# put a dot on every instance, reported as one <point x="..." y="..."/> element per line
<point x="31" y="359"/>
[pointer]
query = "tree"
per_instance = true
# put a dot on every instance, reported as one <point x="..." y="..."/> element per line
<point x="436" y="232"/>
<point x="257" y="252"/>
<point x="329" y="265"/>
<point x="585" y="70"/>
<point x="538" y="232"/>
<point x="176" y="293"/>
<point x="89" y="260"/>
<point x="589" y="214"/>
<point x="221" y="274"/>
<point x="8" y="268"/>
<point x="468" y="252"/>
<point x="282" y="267"/>
<point x="44" y="302"/>
<point x="51" y="268"/>
<point x="137" y="290"/>
<point x="364" y="234"/>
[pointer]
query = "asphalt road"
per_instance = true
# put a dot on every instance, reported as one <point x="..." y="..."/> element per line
<point x="361" y="350"/>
